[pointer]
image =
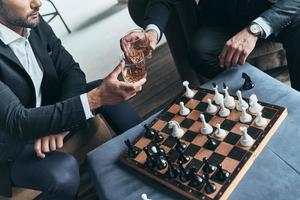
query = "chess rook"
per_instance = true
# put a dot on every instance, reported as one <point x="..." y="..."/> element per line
<point x="255" y="107"/>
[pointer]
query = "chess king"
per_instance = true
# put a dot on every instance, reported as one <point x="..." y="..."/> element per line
<point x="228" y="30"/>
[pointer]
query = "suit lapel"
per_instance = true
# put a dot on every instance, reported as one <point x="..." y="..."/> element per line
<point x="8" y="53"/>
<point x="50" y="82"/>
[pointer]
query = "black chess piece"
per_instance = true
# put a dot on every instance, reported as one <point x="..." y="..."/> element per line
<point x="161" y="163"/>
<point x="150" y="161"/>
<point x="207" y="168"/>
<point x="150" y="134"/>
<point x="173" y="170"/>
<point x="184" y="176"/>
<point x="160" y="150"/>
<point x="248" y="84"/>
<point x="196" y="180"/>
<point x="221" y="174"/>
<point x="211" y="143"/>
<point x="209" y="186"/>
<point x="132" y="151"/>
<point x="157" y="137"/>
<point x="180" y="146"/>
<point x="183" y="158"/>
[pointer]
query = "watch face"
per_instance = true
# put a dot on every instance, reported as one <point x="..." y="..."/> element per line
<point x="255" y="29"/>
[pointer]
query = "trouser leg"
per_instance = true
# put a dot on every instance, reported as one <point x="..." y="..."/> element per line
<point x="57" y="175"/>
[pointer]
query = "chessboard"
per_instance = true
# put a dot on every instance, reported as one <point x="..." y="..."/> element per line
<point x="200" y="170"/>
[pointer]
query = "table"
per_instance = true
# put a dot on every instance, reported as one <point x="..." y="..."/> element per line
<point x="275" y="174"/>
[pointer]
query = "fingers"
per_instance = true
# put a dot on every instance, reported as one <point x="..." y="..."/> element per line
<point x="236" y="56"/>
<point x="60" y="139"/>
<point x="222" y="56"/>
<point x="115" y="73"/>
<point x="45" y="144"/>
<point x="38" y="148"/>
<point x="243" y="57"/>
<point x="52" y="143"/>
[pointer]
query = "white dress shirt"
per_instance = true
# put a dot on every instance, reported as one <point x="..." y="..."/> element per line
<point x="22" y="49"/>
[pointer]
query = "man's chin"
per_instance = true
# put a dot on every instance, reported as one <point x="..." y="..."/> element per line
<point x="33" y="23"/>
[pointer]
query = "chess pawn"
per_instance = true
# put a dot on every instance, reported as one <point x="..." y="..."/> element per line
<point x="260" y="121"/>
<point x="188" y="92"/>
<point x="245" y="117"/>
<point x="184" y="111"/>
<point x="246" y="139"/>
<point x="219" y="133"/>
<point x="228" y="100"/>
<point x="255" y="107"/>
<point x="241" y="103"/>
<point x="211" y="108"/>
<point x="177" y="132"/>
<point x="206" y="128"/>
<point x="218" y="98"/>
<point x="224" y="112"/>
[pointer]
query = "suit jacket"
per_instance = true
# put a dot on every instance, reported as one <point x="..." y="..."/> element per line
<point x="61" y="109"/>
<point x="278" y="13"/>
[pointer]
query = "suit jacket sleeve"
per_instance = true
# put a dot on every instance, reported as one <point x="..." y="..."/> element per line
<point x="281" y="14"/>
<point x="158" y="12"/>
<point x="72" y="78"/>
<point x="30" y="123"/>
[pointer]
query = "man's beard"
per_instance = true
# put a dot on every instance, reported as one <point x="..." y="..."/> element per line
<point x="18" y="21"/>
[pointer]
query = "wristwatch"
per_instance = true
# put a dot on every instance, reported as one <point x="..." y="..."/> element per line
<point x="256" y="30"/>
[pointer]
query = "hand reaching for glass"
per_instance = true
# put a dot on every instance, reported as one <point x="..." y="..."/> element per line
<point x="138" y="43"/>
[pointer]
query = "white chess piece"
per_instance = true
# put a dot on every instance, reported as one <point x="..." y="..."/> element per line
<point x="184" y="111"/>
<point x="241" y="103"/>
<point x="144" y="197"/>
<point x="219" y="133"/>
<point x="260" y="121"/>
<point x="255" y="107"/>
<point x="206" y="128"/>
<point x="224" y="112"/>
<point x="228" y="100"/>
<point x="177" y="132"/>
<point x="245" y="117"/>
<point x="246" y="139"/>
<point x="188" y="92"/>
<point x="211" y="108"/>
<point x="218" y="98"/>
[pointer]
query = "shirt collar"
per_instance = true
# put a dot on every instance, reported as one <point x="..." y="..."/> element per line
<point x="8" y="36"/>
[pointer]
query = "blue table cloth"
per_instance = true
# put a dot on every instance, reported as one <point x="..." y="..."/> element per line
<point x="275" y="174"/>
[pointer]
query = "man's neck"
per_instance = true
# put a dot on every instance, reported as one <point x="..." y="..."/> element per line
<point x="19" y="30"/>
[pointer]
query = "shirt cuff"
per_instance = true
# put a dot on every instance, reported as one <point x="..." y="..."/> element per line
<point x="86" y="106"/>
<point x="154" y="27"/>
<point x="264" y="25"/>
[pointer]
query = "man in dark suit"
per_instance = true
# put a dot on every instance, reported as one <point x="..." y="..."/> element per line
<point x="44" y="96"/>
<point x="229" y="29"/>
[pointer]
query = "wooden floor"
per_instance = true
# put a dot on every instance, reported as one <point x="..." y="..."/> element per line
<point x="163" y="84"/>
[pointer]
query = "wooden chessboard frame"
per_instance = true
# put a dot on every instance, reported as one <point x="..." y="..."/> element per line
<point x="235" y="177"/>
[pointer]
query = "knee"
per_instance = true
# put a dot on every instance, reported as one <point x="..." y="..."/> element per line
<point x="65" y="179"/>
<point x="137" y="10"/>
<point x="204" y="59"/>
<point x="200" y="53"/>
